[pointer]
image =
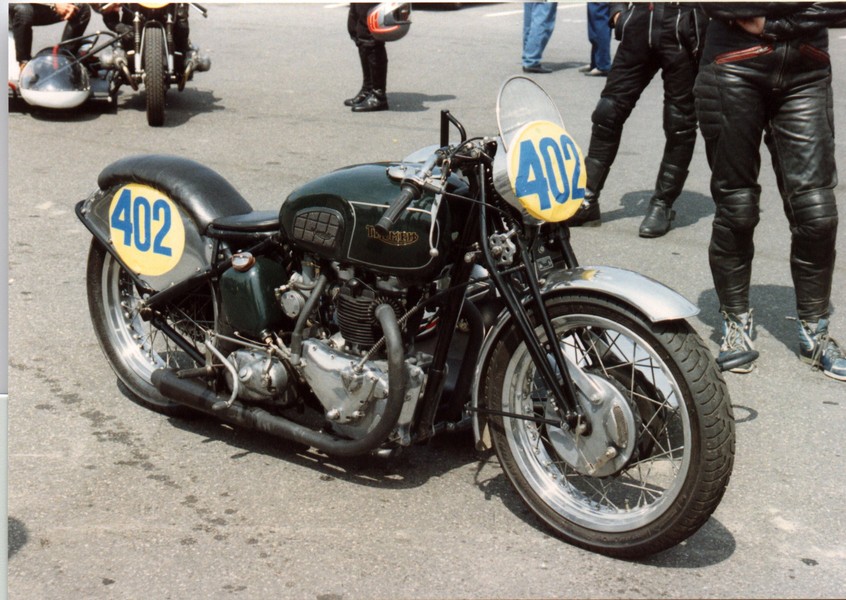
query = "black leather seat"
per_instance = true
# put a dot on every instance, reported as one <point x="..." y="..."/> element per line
<point x="202" y="192"/>
<point x="258" y="221"/>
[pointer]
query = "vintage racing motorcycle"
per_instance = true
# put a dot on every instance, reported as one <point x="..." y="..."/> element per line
<point x="143" y="52"/>
<point x="384" y="303"/>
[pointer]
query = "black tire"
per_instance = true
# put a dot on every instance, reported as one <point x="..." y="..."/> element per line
<point x="674" y="472"/>
<point x="133" y="346"/>
<point x="155" y="74"/>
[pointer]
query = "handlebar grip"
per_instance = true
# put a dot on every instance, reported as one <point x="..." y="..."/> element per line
<point x="389" y="219"/>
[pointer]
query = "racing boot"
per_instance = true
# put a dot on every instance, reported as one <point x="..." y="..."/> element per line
<point x="820" y="350"/>
<point x="366" y="79"/>
<point x="376" y="100"/>
<point x="359" y="97"/>
<point x="588" y="214"/>
<point x="660" y="214"/>
<point x="737" y="353"/>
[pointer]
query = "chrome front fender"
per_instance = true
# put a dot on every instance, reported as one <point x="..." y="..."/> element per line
<point x="654" y="299"/>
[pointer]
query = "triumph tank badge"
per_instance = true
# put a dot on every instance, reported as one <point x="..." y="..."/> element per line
<point x="394" y="238"/>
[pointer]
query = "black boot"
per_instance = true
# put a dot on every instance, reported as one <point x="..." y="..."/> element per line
<point x="375" y="101"/>
<point x="660" y="214"/>
<point x="359" y="97"/>
<point x="588" y="214"/>
<point x="364" y="52"/>
<point x="658" y="218"/>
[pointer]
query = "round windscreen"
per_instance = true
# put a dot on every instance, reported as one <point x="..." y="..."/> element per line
<point x="54" y="80"/>
<point x="520" y="102"/>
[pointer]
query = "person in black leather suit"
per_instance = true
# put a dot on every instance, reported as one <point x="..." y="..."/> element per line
<point x="653" y="36"/>
<point x="22" y="17"/>
<point x="766" y="71"/>
<point x="374" y="62"/>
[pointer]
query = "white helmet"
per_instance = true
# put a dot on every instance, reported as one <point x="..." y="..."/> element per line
<point x="389" y="21"/>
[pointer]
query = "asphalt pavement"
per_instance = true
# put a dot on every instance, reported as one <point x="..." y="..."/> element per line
<point x="108" y="500"/>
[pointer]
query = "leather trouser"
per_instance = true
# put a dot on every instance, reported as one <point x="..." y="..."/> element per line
<point x="647" y="46"/>
<point x="374" y="64"/>
<point x="23" y="16"/>
<point x="371" y="52"/>
<point x="783" y="91"/>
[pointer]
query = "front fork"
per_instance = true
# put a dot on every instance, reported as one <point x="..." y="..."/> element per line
<point x="560" y="384"/>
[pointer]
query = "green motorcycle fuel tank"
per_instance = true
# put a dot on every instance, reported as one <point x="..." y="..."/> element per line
<point x="335" y="215"/>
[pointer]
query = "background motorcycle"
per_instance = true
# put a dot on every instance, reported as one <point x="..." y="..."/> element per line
<point x="384" y="303"/>
<point x="142" y="53"/>
<point x="153" y="56"/>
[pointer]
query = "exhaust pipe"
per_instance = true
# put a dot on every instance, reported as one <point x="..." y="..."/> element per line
<point x="195" y="394"/>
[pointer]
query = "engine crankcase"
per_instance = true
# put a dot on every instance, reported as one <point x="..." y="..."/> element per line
<point x="354" y="400"/>
<point x="260" y="377"/>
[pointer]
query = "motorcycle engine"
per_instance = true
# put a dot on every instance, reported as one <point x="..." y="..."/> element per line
<point x="355" y="312"/>
<point x="354" y="394"/>
<point x="260" y="377"/>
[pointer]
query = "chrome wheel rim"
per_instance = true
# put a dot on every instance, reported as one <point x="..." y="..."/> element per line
<point x="141" y="347"/>
<point x="647" y="485"/>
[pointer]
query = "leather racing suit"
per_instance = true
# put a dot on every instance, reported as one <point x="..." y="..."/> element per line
<point x="652" y="36"/>
<point x="777" y="84"/>
<point x="371" y="52"/>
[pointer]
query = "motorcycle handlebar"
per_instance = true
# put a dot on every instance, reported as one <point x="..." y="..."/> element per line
<point x="411" y="188"/>
<point x="389" y="219"/>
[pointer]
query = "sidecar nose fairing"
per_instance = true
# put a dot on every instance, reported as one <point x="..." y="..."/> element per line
<point x="54" y="79"/>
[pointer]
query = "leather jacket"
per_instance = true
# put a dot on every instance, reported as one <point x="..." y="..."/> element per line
<point x="785" y="21"/>
<point x="690" y="23"/>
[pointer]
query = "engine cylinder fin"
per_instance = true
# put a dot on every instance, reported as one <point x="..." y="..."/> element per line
<point x="356" y="315"/>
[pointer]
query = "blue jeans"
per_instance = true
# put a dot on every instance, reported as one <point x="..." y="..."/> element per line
<point x="538" y="23"/>
<point x="599" y="35"/>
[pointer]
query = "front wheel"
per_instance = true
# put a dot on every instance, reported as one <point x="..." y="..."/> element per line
<point x="659" y="453"/>
<point x="133" y="345"/>
<point x="155" y="73"/>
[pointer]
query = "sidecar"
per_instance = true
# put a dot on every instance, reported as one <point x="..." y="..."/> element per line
<point x="57" y="79"/>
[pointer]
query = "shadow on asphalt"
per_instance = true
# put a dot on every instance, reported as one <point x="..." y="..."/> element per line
<point x="414" y="102"/>
<point x="18" y="536"/>
<point x="712" y="544"/>
<point x="408" y="469"/>
<point x="690" y="207"/>
<point x="558" y="66"/>
<point x="91" y="110"/>
<point x="180" y="107"/>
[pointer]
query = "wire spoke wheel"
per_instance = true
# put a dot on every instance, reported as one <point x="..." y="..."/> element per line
<point x="644" y="476"/>
<point x="134" y="346"/>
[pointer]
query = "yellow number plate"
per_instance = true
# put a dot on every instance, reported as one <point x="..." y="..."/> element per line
<point x="146" y="229"/>
<point x="546" y="171"/>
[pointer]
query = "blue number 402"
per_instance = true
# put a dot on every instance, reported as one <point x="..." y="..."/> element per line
<point x="133" y="216"/>
<point x="536" y="171"/>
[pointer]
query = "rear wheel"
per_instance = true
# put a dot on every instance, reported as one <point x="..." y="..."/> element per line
<point x="133" y="346"/>
<point x="659" y="454"/>
<point x="155" y="74"/>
